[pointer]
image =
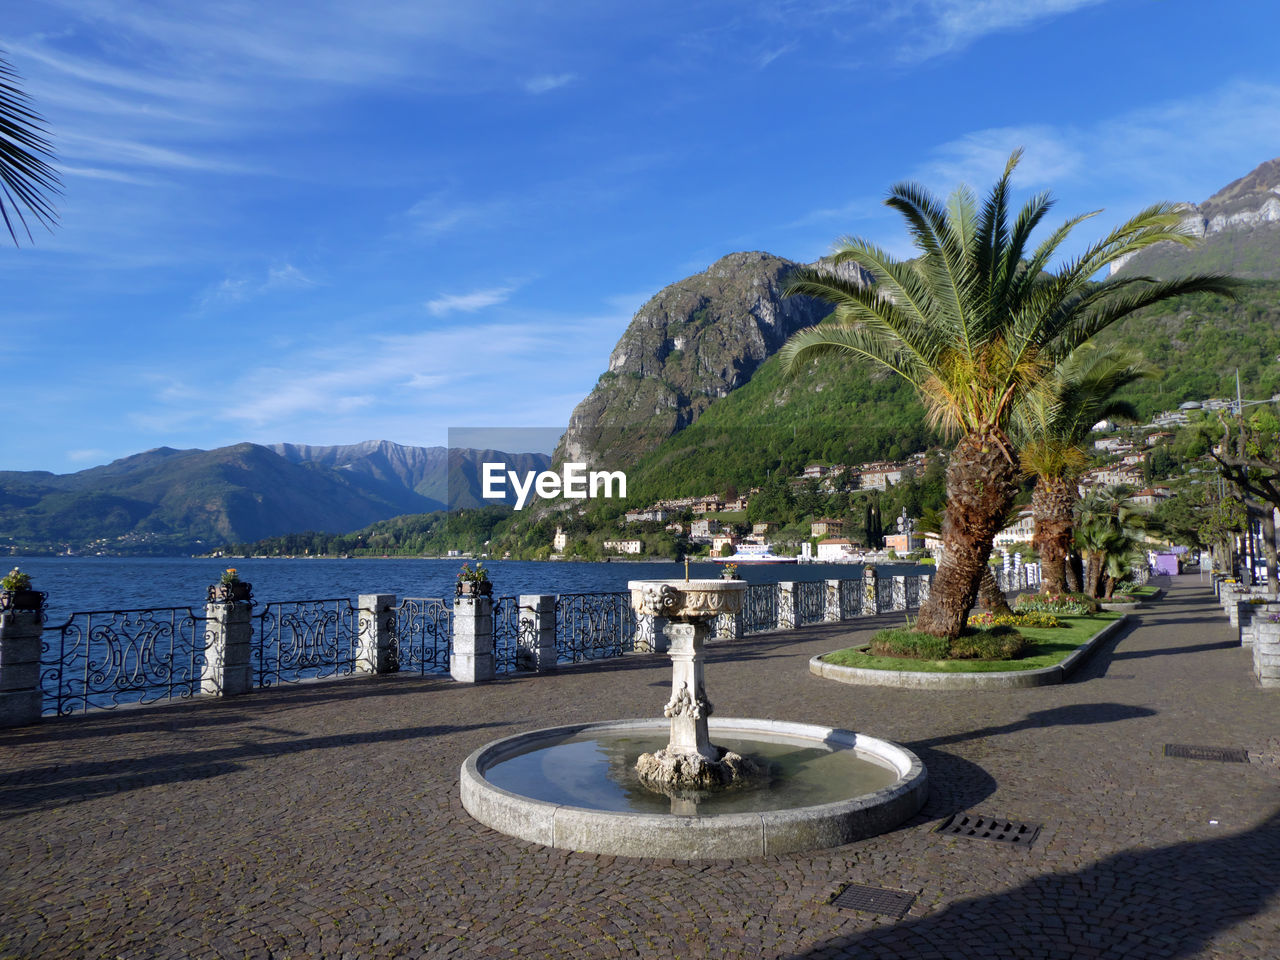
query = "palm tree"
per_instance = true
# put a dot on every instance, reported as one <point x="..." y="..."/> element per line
<point x="1108" y="526"/>
<point x="976" y="323"/>
<point x="1050" y="427"/>
<point x="25" y="175"/>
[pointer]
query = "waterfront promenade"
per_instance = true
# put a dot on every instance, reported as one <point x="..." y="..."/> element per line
<point x="324" y="821"/>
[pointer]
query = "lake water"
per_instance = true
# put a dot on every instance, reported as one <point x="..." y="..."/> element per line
<point x="77" y="584"/>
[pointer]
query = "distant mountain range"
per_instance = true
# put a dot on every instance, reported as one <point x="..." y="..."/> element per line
<point x="167" y="500"/>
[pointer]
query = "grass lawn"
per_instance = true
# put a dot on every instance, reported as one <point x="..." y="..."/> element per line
<point x="1047" y="646"/>
<point x="1144" y="591"/>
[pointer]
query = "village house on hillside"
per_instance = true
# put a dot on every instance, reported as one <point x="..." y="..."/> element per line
<point x="826" y="527"/>
<point x="624" y="546"/>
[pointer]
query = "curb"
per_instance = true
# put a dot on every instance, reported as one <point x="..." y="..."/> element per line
<point x="1004" y="680"/>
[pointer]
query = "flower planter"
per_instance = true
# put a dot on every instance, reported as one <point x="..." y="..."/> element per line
<point x="1266" y="653"/>
<point x="231" y="593"/>
<point x="474" y="588"/>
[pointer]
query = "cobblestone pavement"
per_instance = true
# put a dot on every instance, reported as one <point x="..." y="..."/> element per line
<point x="324" y="821"/>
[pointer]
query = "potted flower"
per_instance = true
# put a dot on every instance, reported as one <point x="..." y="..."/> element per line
<point x="231" y="589"/>
<point x="474" y="583"/>
<point x="729" y="571"/>
<point x="16" y="592"/>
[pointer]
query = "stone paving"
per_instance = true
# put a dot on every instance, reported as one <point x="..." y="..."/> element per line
<point x="324" y="821"/>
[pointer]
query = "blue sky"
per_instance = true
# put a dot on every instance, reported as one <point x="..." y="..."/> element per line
<point x="330" y="222"/>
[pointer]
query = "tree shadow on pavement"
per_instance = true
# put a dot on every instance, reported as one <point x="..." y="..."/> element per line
<point x="53" y="785"/>
<point x="1140" y="904"/>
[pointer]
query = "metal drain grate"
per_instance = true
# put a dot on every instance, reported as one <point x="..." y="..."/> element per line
<point x="990" y="828"/>
<point x="892" y="903"/>
<point x="1187" y="751"/>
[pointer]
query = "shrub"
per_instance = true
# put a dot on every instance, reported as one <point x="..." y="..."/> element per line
<point x="993" y="643"/>
<point x="1076" y="604"/>
<point x="1028" y="618"/>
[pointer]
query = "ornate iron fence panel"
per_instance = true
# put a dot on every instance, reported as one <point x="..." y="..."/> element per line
<point x="913" y="593"/>
<point x="811" y="601"/>
<point x="305" y="640"/>
<point x="851" y="594"/>
<point x="101" y="659"/>
<point x="594" y="625"/>
<point x="760" y="608"/>
<point x="422" y="640"/>
<point x="884" y="594"/>
<point x="506" y="633"/>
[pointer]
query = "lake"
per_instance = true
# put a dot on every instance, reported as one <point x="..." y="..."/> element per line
<point x="76" y="584"/>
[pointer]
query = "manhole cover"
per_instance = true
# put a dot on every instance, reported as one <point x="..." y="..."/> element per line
<point x="1187" y="751"/>
<point x="990" y="828"/>
<point x="892" y="903"/>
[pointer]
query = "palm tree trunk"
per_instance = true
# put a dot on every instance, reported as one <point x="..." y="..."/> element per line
<point x="1075" y="573"/>
<point x="981" y="484"/>
<point x="991" y="597"/>
<point x="1052" y="505"/>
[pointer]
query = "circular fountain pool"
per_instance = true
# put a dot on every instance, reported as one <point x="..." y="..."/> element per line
<point x="575" y="787"/>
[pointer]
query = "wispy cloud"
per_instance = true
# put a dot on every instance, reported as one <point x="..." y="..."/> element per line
<point x="231" y="290"/>
<point x="468" y="302"/>
<point x="769" y="56"/>
<point x="80" y="456"/>
<point x="548" y="82"/>
<point x="1177" y="149"/>
<point x="941" y="26"/>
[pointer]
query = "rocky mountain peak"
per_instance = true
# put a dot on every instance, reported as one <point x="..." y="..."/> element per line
<point x="688" y="346"/>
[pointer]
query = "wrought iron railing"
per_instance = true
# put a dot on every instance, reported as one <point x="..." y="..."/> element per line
<point x="104" y="658"/>
<point x="305" y="640"/>
<point x="884" y="593"/>
<point x="506" y="634"/>
<point x="811" y="601"/>
<point x="422" y="639"/>
<point x="590" y="626"/>
<point x="760" y="608"/>
<point x="851" y="594"/>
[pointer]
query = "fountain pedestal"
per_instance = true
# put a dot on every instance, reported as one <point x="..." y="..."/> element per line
<point x="688" y="708"/>
<point x="690" y="763"/>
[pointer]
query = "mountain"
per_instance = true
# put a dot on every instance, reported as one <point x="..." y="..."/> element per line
<point x="692" y="344"/>
<point x="168" y="500"/>
<point x="1239" y="227"/>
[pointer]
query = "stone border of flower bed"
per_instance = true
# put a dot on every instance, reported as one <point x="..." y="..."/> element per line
<point x="1004" y="680"/>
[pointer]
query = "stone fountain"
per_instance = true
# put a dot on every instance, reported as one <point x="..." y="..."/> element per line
<point x="662" y="788"/>
<point x="690" y="764"/>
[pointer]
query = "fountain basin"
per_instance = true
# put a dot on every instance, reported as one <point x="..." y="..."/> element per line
<point x="757" y="832"/>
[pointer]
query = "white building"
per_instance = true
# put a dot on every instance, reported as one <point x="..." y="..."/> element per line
<point x="623" y="546"/>
<point x="833" y="549"/>
<point x="1021" y="530"/>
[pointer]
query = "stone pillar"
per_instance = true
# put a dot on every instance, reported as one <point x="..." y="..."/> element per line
<point x="20" y="693"/>
<point x="870" y="596"/>
<point x="537" y="637"/>
<point x="688" y="707"/>
<point x="376" y="639"/>
<point x="834" y="611"/>
<point x="788" y="605"/>
<point x="472" y="660"/>
<point x="925" y="583"/>
<point x="899" y="593"/>
<point x="729" y="626"/>
<point x="651" y="635"/>
<point x="227" y="670"/>
<point x="1266" y="653"/>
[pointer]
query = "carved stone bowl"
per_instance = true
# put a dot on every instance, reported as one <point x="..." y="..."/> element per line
<point x="687" y="600"/>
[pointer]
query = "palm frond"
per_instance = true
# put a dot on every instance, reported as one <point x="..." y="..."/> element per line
<point x="26" y="176"/>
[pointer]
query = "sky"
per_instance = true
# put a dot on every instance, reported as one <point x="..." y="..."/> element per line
<point x="331" y="222"/>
